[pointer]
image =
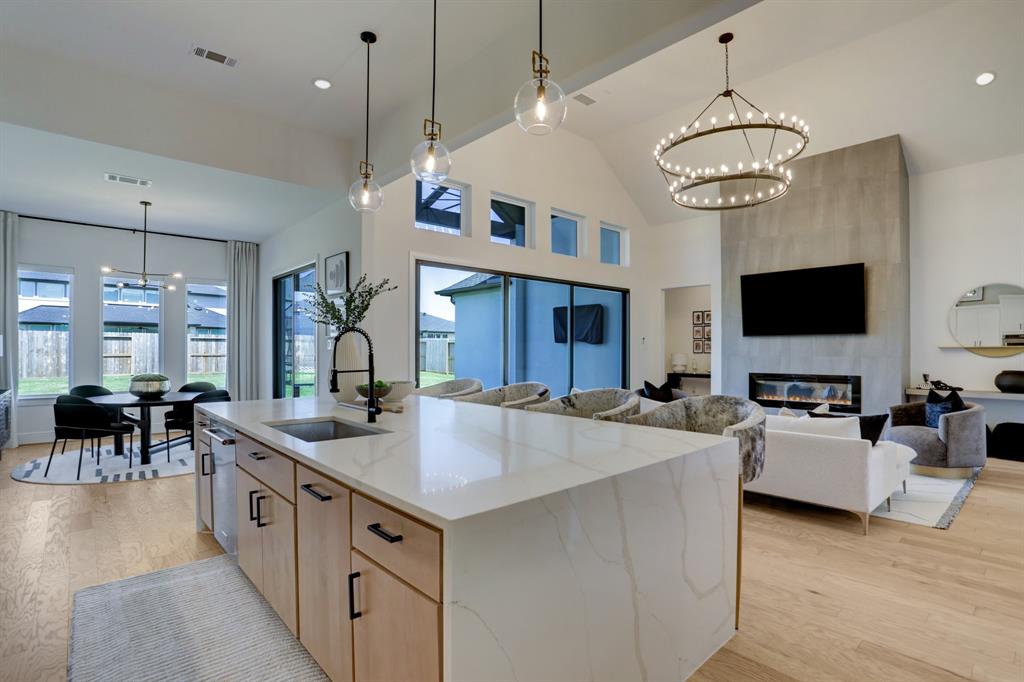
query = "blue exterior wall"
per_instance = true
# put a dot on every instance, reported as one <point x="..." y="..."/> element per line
<point x="600" y="365"/>
<point x="533" y="353"/>
<point x="478" y="336"/>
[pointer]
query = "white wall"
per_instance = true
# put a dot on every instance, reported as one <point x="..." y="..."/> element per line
<point x="332" y="230"/>
<point x="680" y="304"/>
<point x="81" y="250"/>
<point x="561" y="171"/>
<point x="966" y="230"/>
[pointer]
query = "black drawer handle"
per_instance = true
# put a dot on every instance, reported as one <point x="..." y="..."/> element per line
<point x="352" y="613"/>
<point x="252" y="514"/>
<point x="308" y="487"/>
<point x="257" y="456"/>
<point x="383" y="534"/>
<point x="259" y="513"/>
<point x="202" y="464"/>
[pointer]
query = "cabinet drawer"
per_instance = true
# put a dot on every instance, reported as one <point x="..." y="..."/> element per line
<point x="415" y="557"/>
<point x="269" y="466"/>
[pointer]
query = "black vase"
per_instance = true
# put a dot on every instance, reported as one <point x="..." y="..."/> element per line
<point x="1010" y="381"/>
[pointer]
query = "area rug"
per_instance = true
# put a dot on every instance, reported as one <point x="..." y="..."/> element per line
<point x="111" y="469"/>
<point x="199" y="621"/>
<point x="929" y="501"/>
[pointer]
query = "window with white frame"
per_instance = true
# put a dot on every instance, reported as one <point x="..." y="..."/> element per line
<point x="509" y="221"/>
<point x="207" y="315"/>
<point x="131" y="331"/>
<point x="439" y="207"/>
<point x="613" y="244"/>
<point x="44" y="332"/>
<point x="565" y="231"/>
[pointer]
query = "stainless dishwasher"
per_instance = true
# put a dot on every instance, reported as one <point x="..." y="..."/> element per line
<point x="222" y="470"/>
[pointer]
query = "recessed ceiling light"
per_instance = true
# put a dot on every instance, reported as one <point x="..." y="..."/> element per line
<point x="322" y="83"/>
<point x="985" y="78"/>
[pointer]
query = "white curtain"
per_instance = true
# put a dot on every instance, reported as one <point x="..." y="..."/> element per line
<point x="9" y="314"/>
<point x="243" y="335"/>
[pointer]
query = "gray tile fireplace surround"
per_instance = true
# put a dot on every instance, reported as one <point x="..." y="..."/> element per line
<point x="850" y="205"/>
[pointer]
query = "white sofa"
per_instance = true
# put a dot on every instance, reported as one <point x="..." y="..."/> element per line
<point x="824" y="461"/>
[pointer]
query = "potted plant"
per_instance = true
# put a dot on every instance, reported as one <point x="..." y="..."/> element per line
<point x="149" y="385"/>
<point x="348" y="312"/>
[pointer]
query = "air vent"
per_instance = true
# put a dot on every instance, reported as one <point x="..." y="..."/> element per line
<point x="213" y="56"/>
<point x="128" y="180"/>
<point x="584" y="100"/>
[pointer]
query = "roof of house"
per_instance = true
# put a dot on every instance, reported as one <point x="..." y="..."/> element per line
<point x="122" y="314"/>
<point x="475" y="282"/>
<point x="432" y="323"/>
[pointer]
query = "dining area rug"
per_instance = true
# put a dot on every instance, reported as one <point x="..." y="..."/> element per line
<point x="200" y="621"/>
<point x="110" y="468"/>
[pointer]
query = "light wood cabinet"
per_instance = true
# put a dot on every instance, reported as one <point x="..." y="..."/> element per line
<point x="404" y="546"/>
<point x="322" y="508"/>
<point x="396" y="635"/>
<point x="204" y="484"/>
<point x="266" y="544"/>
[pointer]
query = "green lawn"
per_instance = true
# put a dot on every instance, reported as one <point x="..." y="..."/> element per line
<point x="431" y="378"/>
<point x="118" y="383"/>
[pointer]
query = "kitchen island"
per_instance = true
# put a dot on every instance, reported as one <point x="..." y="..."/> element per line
<point x="467" y="542"/>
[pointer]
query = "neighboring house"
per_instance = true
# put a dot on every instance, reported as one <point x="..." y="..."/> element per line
<point x="478" y="324"/>
<point x="433" y="327"/>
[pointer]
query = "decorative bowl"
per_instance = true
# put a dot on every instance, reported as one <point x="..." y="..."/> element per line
<point x="1010" y="381"/>
<point x="378" y="391"/>
<point x="400" y="389"/>
<point x="149" y="385"/>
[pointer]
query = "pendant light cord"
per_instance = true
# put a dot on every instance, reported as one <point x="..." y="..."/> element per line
<point x="366" y="157"/>
<point x="433" y="76"/>
<point x="540" y="28"/>
<point x="145" y="236"/>
<point x="727" y="68"/>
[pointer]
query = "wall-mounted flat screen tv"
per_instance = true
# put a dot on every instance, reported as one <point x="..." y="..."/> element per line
<point x="827" y="300"/>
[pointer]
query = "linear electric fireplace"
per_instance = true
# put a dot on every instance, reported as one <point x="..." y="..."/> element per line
<point x="806" y="391"/>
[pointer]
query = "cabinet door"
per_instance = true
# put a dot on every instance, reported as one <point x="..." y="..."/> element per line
<point x="250" y="539"/>
<point x="988" y="327"/>
<point x="204" y="483"/>
<point x="397" y="635"/>
<point x="322" y="508"/>
<point x="1011" y="313"/>
<point x="967" y="326"/>
<point x="276" y="518"/>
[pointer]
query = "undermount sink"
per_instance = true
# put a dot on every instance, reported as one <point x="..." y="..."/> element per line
<point x="317" y="430"/>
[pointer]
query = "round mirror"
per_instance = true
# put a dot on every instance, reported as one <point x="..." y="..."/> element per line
<point x="989" y="320"/>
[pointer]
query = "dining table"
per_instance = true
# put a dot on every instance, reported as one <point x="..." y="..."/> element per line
<point x="144" y="405"/>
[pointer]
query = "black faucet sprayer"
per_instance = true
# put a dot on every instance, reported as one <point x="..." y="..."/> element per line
<point x="372" y="403"/>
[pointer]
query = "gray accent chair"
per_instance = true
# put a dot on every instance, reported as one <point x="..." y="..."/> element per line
<point x="452" y="388"/>
<point x="959" y="442"/>
<point x="515" y="396"/>
<point x="603" y="404"/>
<point x="716" y="414"/>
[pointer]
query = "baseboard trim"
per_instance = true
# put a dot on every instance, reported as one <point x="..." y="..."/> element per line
<point x="942" y="472"/>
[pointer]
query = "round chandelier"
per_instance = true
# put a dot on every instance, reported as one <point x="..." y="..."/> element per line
<point x="752" y="152"/>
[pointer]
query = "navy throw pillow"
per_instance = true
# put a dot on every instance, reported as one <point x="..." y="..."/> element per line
<point x="663" y="393"/>
<point x="936" y="406"/>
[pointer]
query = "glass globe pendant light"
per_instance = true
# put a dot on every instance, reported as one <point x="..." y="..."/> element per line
<point x="365" y="195"/>
<point x="430" y="160"/>
<point x="540" y="104"/>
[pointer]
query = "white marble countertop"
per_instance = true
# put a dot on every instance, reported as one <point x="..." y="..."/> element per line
<point x="443" y="460"/>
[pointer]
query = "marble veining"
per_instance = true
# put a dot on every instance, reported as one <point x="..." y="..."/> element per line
<point x="444" y="460"/>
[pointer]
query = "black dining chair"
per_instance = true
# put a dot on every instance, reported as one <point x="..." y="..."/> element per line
<point x="182" y="415"/>
<point x="79" y="418"/>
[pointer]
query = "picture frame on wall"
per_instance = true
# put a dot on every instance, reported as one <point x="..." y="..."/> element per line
<point x="336" y="274"/>
<point x="698" y="332"/>
<point x="698" y="346"/>
<point x="698" y="317"/>
<point x="707" y="317"/>
<point x="707" y="332"/>
<point x="707" y="346"/>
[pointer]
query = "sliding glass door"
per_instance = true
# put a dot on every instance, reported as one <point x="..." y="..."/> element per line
<point x="502" y="328"/>
<point x="294" y="335"/>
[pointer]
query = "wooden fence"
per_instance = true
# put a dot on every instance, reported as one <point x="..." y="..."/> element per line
<point x="130" y="353"/>
<point x="207" y="354"/>
<point x="42" y="354"/>
<point x="437" y="355"/>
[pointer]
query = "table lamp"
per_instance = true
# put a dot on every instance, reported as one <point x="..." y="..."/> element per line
<point x="678" y="362"/>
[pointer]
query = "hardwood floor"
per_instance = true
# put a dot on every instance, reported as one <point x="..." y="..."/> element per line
<point x="820" y="600"/>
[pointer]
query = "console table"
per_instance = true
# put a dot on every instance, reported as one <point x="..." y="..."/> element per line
<point x="694" y="383"/>
<point x="5" y="417"/>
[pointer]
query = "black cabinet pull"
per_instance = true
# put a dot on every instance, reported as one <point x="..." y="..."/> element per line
<point x="252" y="514"/>
<point x="259" y="513"/>
<point x="352" y="613"/>
<point x="257" y="456"/>
<point x="202" y="464"/>
<point x="383" y="534"/>
<point x="308" y="487"/>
